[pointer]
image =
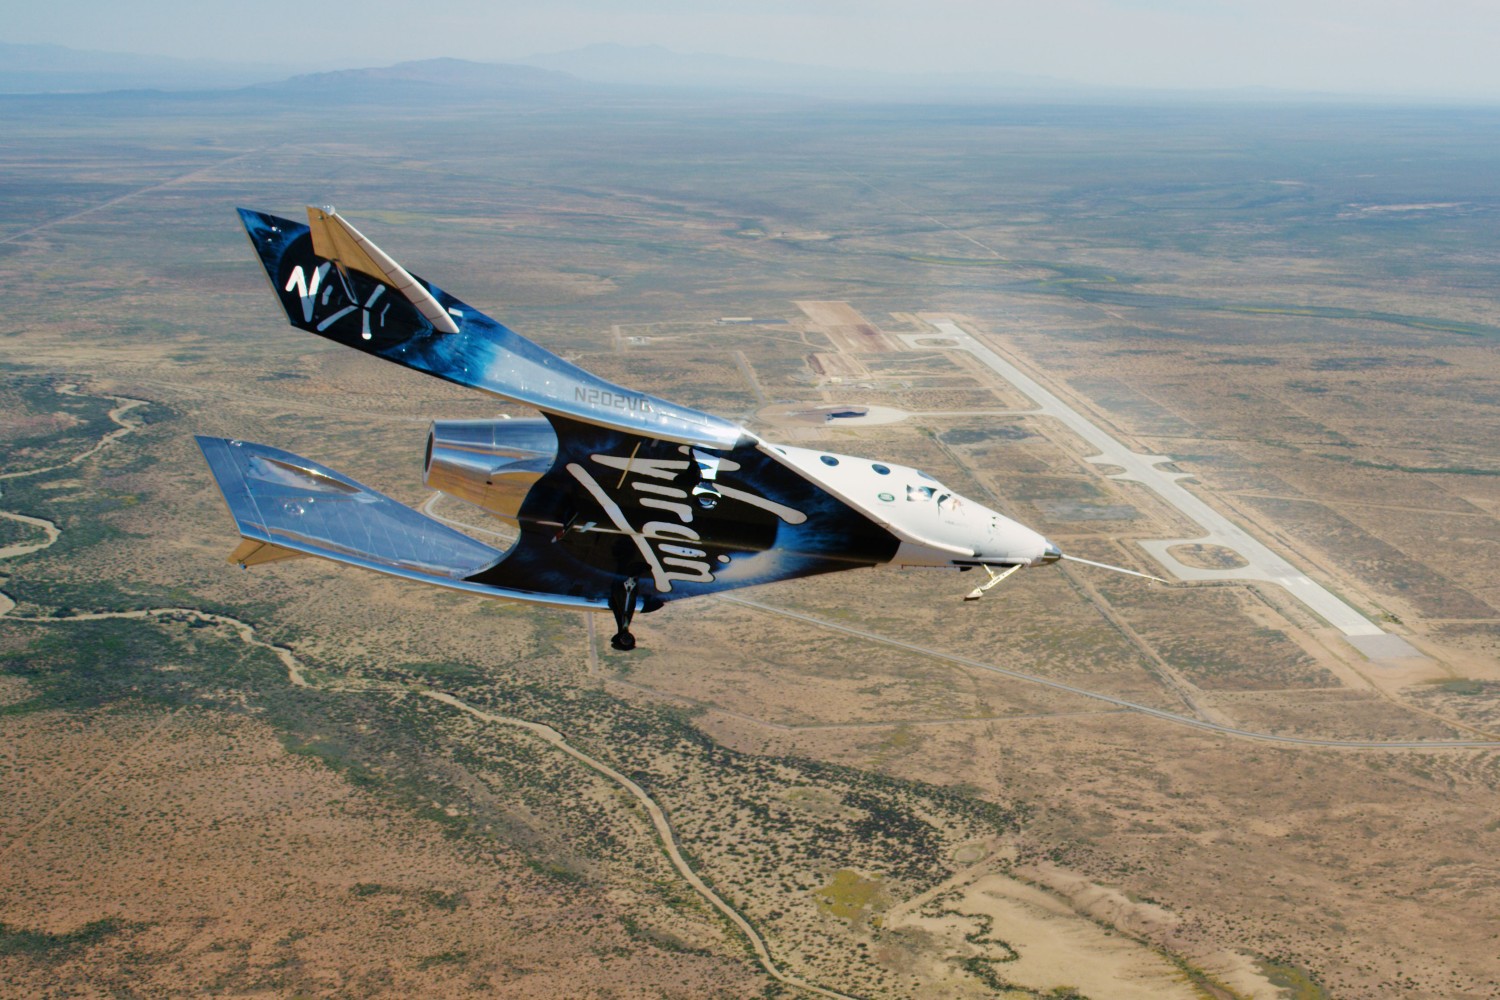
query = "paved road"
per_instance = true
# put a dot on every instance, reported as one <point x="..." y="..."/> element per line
<point x="13" y="237"/>
<point x="1262" y="564"/>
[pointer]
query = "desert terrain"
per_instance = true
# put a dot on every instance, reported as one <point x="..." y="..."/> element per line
<point x="301" y="780"/>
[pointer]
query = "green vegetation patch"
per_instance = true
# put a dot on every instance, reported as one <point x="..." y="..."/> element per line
<point x="83" y="664"/>
<point x="1297" y="982"/>
<point x="1464" y="686"/>
<point x="53" y="947"/>
<point x="443" y="958"/>
<point x="168" y="661"/>
<point x="43" y="426"/>
<point x="849" y="895"/>
<point x="20" y="533"/>
<point x="985" y="971"/>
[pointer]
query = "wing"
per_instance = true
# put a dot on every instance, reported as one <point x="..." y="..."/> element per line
<point x="287" y="506"/>
<point x="334" y="282"/>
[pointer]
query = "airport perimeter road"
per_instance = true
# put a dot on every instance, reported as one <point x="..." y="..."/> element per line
<point x="1263" y="564"/>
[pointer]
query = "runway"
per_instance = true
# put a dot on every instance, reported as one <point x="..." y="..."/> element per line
<point x="1263" y="565"/>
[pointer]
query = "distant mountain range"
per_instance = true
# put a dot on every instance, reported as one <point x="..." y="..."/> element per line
<point x="436" y="75"/>
<point x="54" y="69"/>
<point x="655" y="66"/>
<point x="43" y="69"/>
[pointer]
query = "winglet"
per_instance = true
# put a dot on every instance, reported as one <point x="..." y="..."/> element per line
<point x="334" y="239"/>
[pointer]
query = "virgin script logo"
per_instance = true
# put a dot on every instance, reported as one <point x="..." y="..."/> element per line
<point x="670" y="545"/>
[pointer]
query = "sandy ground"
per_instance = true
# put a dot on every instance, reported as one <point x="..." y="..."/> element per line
<point x="1054" y="946"/>
<point x="236" y="868"/>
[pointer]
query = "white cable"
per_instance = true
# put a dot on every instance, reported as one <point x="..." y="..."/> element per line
<point x="1117" y="569"/>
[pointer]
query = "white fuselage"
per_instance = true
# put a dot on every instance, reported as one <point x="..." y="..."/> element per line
<point x="935" y="525"/>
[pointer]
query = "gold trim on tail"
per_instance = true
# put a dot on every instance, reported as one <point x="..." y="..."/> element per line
<point x="334" y="239"/>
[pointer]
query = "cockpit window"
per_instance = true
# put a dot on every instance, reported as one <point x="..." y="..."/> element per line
<point x="915" y="493"/>
<point x="882" y="470"/>
<point x="926" y="476"/>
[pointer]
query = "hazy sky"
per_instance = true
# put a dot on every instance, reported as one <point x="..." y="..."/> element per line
<point x="1418" y="47"/>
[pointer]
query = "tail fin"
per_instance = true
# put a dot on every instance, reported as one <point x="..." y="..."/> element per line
<point x="331" y="280"/>
<point x="334" y="282"/>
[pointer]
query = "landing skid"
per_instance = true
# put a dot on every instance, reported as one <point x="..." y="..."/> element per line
<point x="995" y="579"/>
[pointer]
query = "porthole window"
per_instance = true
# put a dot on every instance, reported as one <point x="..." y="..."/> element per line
<point x="828" y="460"/>
<point x="881" y="469"/>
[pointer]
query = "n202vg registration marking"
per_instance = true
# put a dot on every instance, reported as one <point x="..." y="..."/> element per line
<point x="613" y="400"/>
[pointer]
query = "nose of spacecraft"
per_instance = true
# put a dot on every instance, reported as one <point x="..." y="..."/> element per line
<point x="1050" y="554"/>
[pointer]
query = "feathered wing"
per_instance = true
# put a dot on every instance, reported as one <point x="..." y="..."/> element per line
<point x="401" y="318"/>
